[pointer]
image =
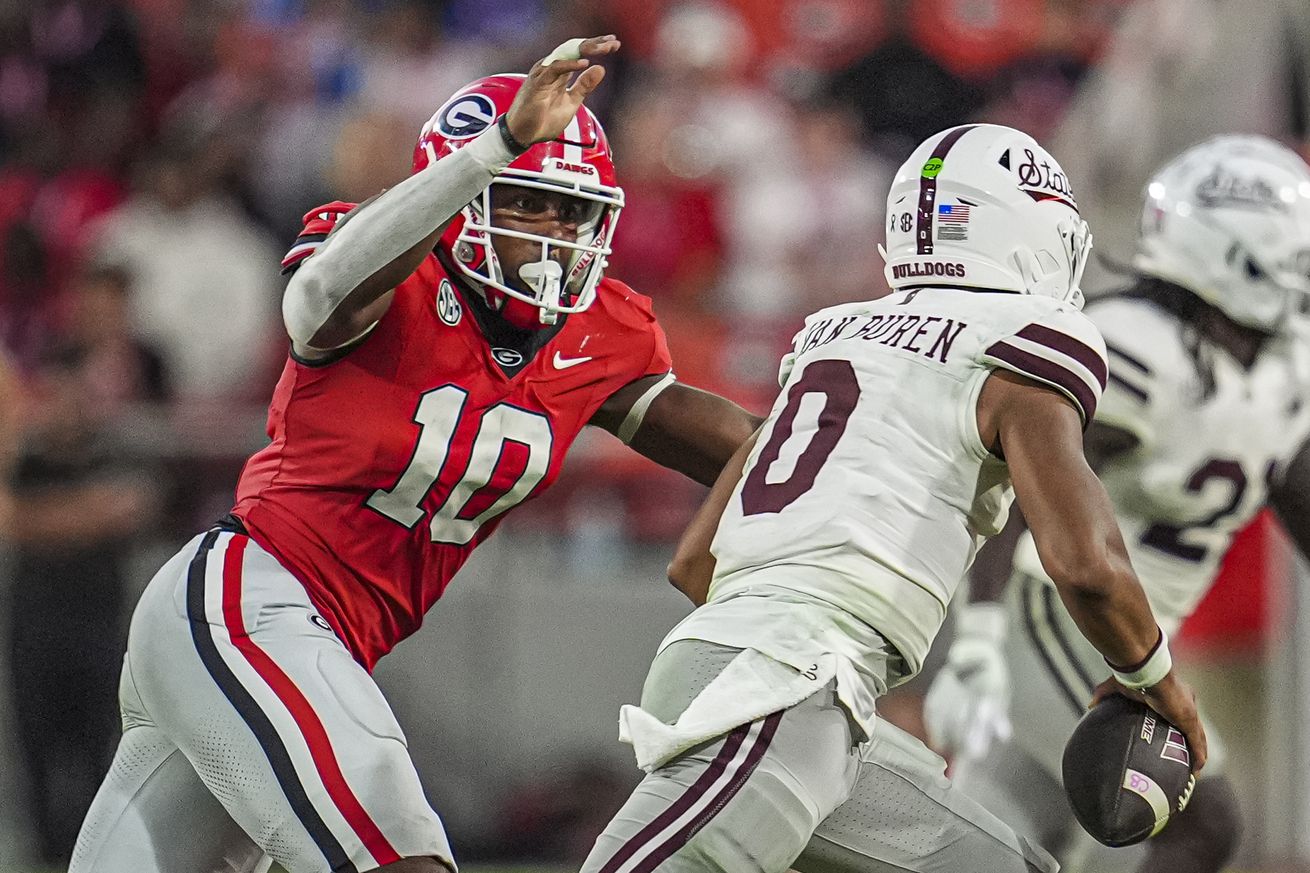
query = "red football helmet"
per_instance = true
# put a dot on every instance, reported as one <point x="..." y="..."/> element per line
<point x="578" y="162"/>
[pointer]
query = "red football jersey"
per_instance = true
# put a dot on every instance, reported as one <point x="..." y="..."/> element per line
<point x="388" y="467"/>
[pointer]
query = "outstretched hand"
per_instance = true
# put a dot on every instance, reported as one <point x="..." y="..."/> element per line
<point x="547" y="102"/>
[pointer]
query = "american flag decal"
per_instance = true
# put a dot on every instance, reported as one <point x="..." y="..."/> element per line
<point x="953" y="213"/>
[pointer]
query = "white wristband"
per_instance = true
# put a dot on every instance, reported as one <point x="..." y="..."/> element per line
<point x="1151" y="671"/>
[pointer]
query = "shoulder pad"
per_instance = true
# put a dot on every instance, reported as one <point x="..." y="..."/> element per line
<point x="318" y="223"/>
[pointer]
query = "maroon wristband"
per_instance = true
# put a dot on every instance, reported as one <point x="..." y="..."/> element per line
<point x="1159" y="641"/>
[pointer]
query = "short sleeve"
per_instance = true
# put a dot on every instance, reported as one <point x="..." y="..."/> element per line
<point x="645" y="348"/>
<point x="1132" y="394"/>
<point x="1062" y="349"/>
<point x="1147" y="367"/>
<point x="788" y="362"/>
<point x="318" y="223"/>
<point x="660" y="360"/>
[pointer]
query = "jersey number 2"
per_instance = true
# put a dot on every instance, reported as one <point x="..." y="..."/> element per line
<point x="836" y="382"/>
<point x="510" y="455"/>
<point x="1168" y="538"/>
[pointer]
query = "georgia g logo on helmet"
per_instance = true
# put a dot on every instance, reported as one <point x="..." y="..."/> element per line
<point x="465" y="116"/>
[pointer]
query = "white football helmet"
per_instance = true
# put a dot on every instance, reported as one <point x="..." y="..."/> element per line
<point x="984" y="206"/>
<point x="1229" y="220"/>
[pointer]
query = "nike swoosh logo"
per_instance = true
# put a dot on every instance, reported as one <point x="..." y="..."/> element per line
<point x="562" y="363"/>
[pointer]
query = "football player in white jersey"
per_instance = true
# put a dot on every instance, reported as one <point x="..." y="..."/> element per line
<point x="829" y="549"/>
<point x="1203" y="422"/>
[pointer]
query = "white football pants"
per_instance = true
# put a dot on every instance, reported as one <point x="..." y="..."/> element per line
<point x="250" y="734"/>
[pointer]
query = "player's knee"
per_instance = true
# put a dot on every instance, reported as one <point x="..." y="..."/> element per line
<point x="1210" y="828"/>
<point x="983" y="851"/>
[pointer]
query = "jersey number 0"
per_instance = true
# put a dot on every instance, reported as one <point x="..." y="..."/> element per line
<point x="836" y="382"/>
<point x="510" y="456"/>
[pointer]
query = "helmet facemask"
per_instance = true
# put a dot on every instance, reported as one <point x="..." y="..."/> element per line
<point x="1058" y="273"/>
<point x="558" y="285"/>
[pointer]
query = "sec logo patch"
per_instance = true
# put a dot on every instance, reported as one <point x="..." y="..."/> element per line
<point x="449" y="309"/>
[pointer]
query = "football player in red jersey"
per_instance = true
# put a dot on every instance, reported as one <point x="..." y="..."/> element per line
<point x="450" y="338"/>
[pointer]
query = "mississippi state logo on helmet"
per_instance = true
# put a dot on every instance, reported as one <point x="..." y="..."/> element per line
<point x="578" y="163"/>
<point x="984" y="206"/>
<point x="1229" y="220"/>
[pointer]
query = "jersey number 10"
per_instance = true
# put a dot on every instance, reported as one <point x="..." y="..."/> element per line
<point x="492" y="481"/>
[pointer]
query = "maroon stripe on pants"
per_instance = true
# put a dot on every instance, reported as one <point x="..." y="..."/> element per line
<point x="928" y="191"/>
<point x="681" y="838"/>
<point x="683" y="803"/>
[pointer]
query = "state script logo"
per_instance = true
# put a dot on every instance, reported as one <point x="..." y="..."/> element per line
<point x="563" y="363"/>
<point x="1224" y="189"/>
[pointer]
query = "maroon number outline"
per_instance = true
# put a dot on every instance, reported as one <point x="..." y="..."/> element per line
<point x="837" y="382"/>
<point x="1167" y="538"/>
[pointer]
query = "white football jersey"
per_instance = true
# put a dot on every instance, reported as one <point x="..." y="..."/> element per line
<point x="869" y="486"/>
<point x="1212" y="437"/>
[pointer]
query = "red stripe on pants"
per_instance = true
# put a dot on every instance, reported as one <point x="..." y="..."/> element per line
<point x="311" y="728"/>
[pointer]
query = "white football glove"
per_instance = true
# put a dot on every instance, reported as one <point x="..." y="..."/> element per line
<point x="967" y="709"/>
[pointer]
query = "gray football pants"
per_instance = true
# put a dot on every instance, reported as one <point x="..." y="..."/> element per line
<point x="796" y="789"/>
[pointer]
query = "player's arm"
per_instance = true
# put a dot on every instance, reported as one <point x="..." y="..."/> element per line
<point x="1290" y="498"/>
<point x="995" y="562"/>
<point x="337" y="295"/>
<point x="11" y="414"/>
<point x="1039" y="432"/>
<point x="677" y="426"/>
<point x="82" y="513"/>
<point x="692" y="567"/>
<point x="967" y="705"/>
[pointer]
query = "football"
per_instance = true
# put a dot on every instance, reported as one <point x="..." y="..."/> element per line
<point x="1127" y="771"/>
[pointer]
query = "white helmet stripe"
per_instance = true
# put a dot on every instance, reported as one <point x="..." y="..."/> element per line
<point x="572" y="133"/>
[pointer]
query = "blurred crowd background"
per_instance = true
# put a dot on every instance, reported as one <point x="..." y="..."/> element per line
<point x="156" y="157"/>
